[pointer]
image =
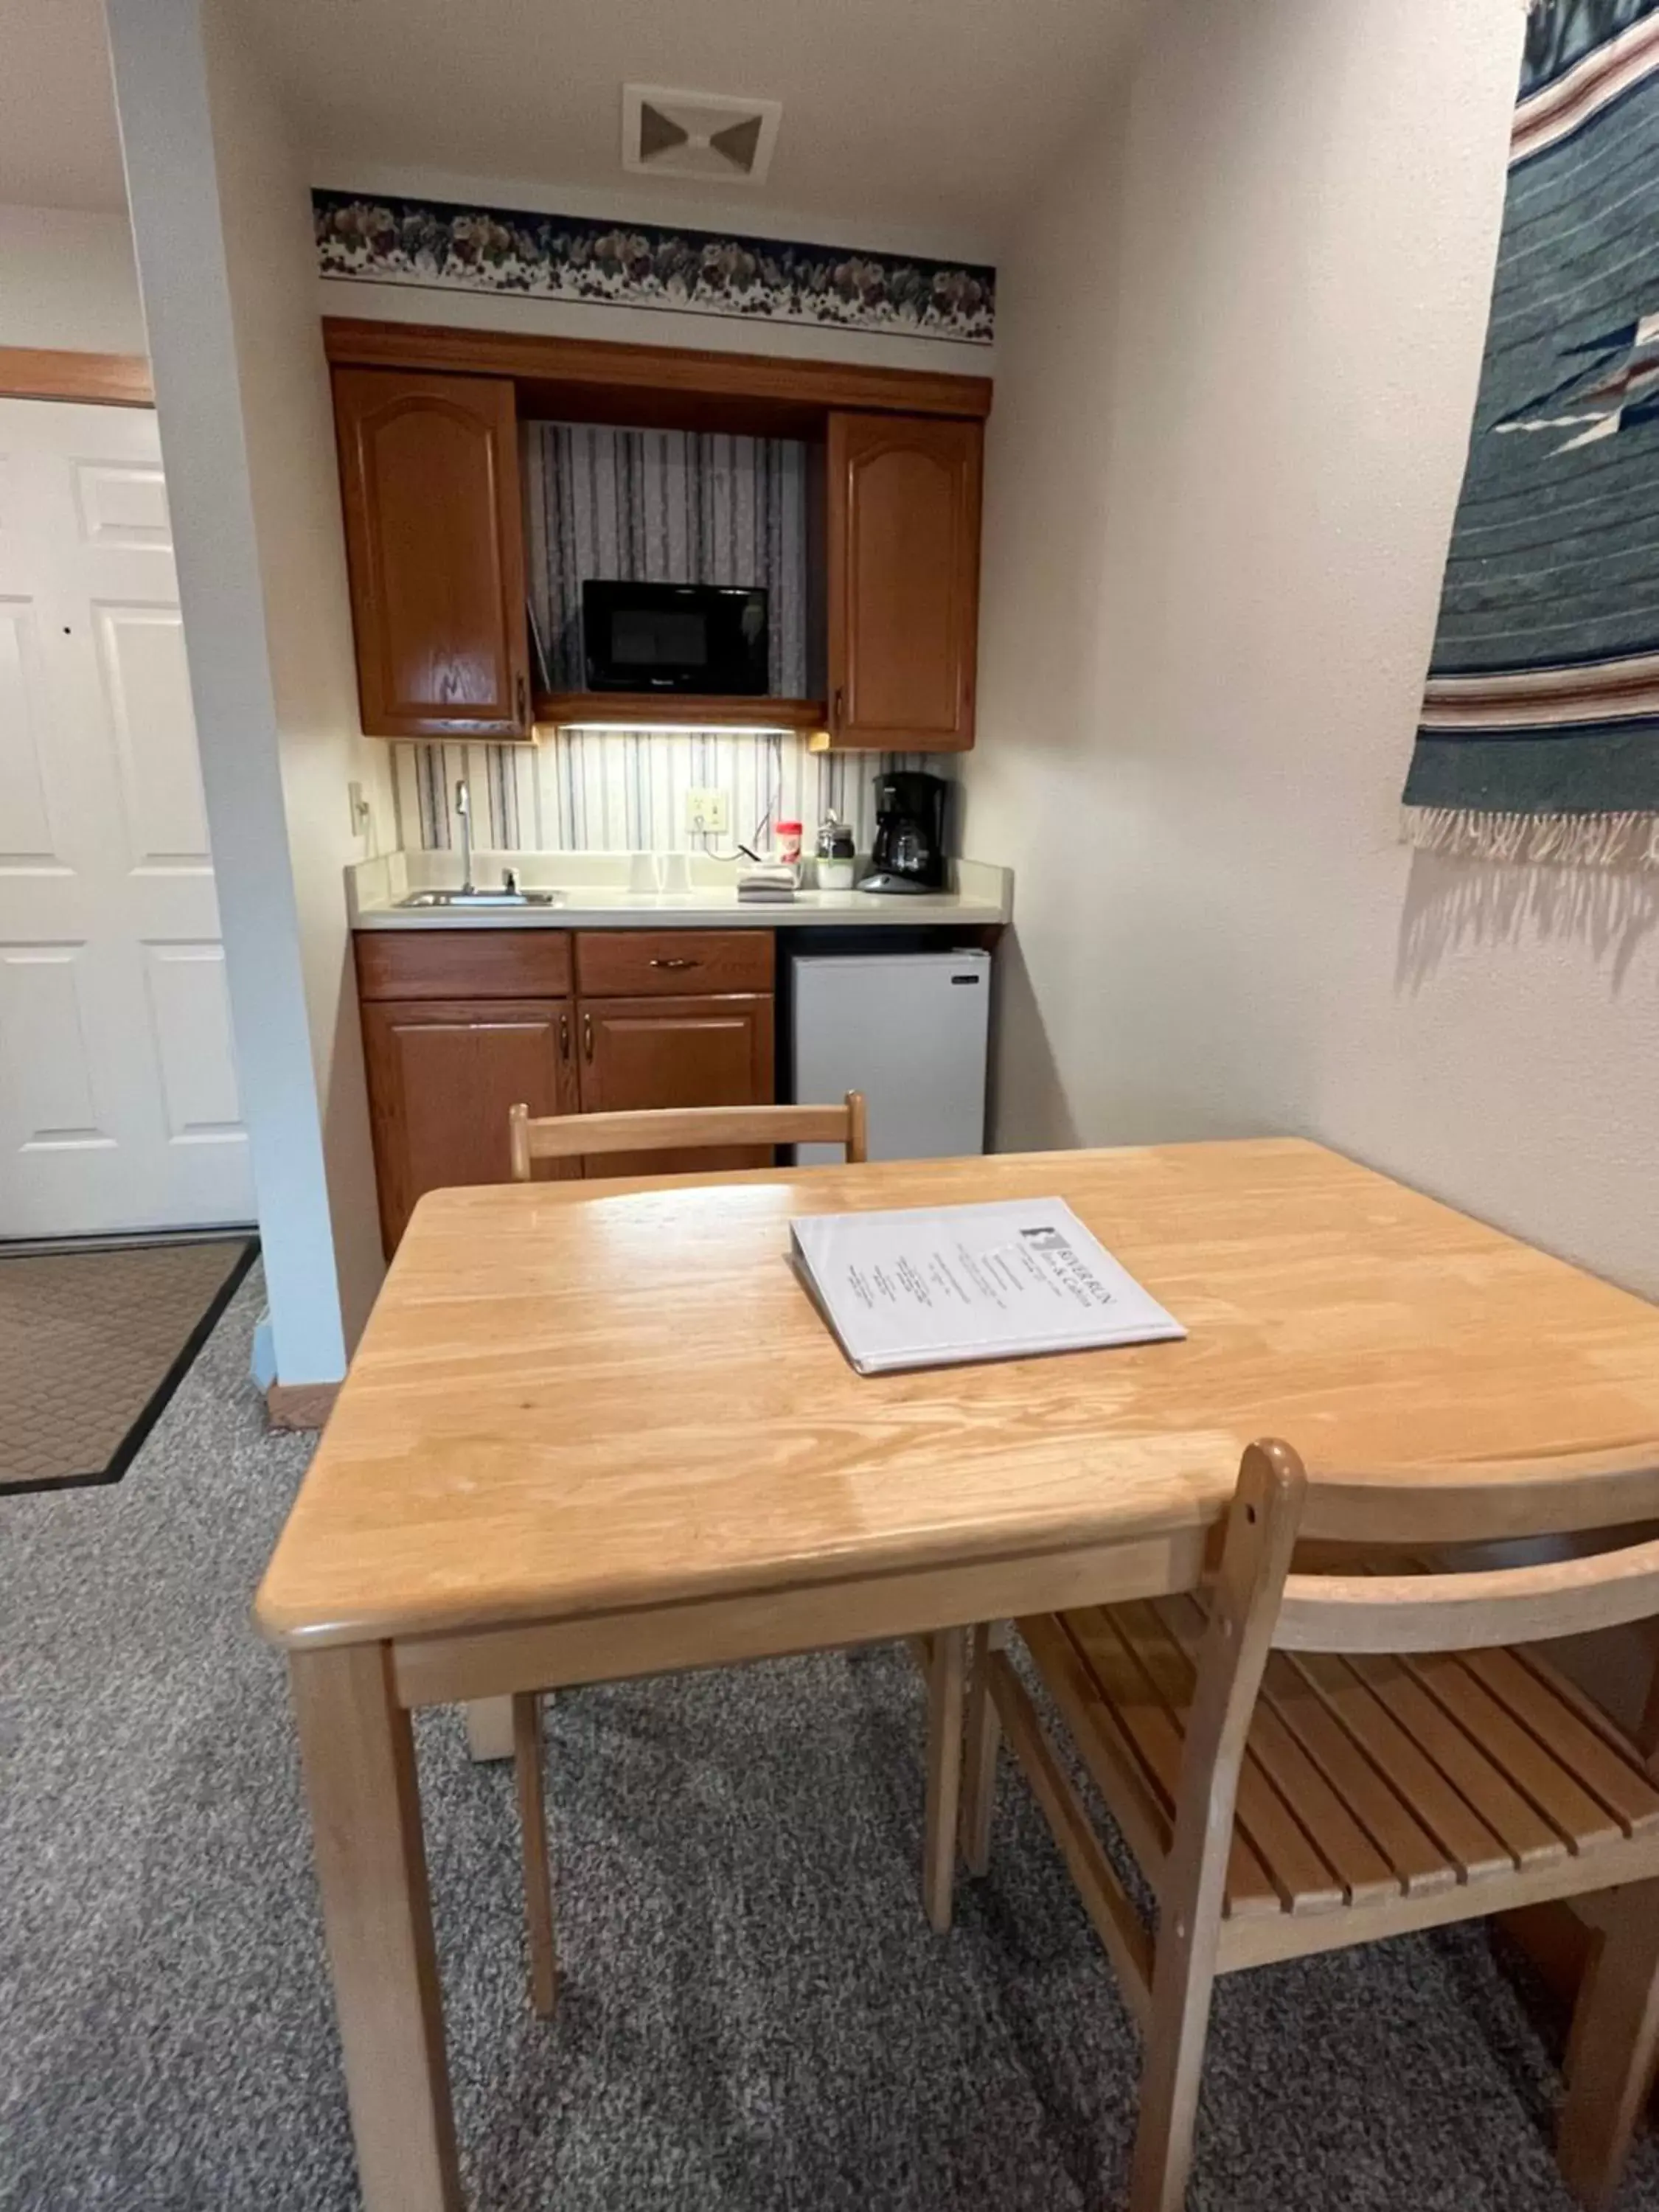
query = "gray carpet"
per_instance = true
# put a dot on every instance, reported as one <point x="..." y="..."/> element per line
<point x="755" y="2015"/>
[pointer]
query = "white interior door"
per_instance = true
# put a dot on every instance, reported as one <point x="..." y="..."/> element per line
<point x="118" y="1107"/>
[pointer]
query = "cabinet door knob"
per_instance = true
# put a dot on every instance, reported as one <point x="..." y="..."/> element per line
<point x="524" y="701"/>
<point x="588" y="1037"/>
<point x="838" y="712"/>
<point x="671" y="961"/>
<point x="564" y="1036"/>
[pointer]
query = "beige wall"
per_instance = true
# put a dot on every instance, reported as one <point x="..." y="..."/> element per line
<point x="67" y="282"/>
<point x="1239" y="348"/>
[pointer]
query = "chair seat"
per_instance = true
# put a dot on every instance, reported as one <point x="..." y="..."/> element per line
<point x="1365" y="1778"/>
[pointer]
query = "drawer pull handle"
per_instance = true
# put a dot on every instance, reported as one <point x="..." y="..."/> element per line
<point x="588" y="1037"/>
<point x="672" y="962"/>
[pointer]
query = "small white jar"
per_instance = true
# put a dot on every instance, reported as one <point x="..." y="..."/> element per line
<point x="837" y="862"/>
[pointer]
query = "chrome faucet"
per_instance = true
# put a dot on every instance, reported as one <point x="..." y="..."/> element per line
<point x="464" y="809"/>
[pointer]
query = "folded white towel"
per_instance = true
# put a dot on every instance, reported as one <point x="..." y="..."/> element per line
<point x="772" y="883"/>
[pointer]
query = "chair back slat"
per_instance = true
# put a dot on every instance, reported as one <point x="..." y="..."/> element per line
<point x="1473" y="1504"/>
<point x="572" y="1136"/>
<point x="1426" y="1509"/>
<point x="1468" y="1612"/>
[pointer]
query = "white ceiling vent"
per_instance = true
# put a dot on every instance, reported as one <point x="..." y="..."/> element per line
<point x="705" y="135"/>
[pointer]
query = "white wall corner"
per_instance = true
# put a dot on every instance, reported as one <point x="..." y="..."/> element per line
<point x="288" y="419"/>
<point x="174" y="190"/>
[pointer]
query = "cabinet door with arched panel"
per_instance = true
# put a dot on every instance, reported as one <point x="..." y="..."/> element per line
<point x="904" y="520"/>
<point x="430" y="478"/>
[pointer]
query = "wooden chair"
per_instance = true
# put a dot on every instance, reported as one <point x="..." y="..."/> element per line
<point x="681" y="1128"/>
<point x="1301" y="1761"/>
<point x="569" y="1136"/>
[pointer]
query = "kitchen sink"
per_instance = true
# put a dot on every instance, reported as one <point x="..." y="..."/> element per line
<point x="482" y="898"/>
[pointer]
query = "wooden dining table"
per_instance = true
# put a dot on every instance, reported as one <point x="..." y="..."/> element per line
<point x="597" y="1430"/>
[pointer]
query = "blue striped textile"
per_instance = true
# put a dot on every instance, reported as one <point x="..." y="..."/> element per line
<point x="1540" y="728"/>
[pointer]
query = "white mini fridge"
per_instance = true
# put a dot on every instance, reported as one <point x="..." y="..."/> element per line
<point x="908" y="1029"/>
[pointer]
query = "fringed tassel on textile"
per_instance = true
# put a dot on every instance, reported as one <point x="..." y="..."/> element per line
<point x="1575" y="841"/>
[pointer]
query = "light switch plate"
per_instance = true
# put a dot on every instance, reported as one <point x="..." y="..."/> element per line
<point x="709" y="811"/>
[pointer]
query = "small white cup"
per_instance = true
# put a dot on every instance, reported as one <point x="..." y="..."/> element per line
<point x="644" y="872"/>
<point x="675" y="873"/>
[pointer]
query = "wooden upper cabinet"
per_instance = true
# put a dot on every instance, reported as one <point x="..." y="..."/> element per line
<point x="903" y="507"/>
<point x="434" y="538"/>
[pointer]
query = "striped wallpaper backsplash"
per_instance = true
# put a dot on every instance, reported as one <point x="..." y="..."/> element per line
<point x="624" y="790"/>
<point x="663" y="507"/>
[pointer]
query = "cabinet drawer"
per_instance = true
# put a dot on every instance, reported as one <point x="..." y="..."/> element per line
<point x="463" y="964"/>
<point x="616" y="963"/>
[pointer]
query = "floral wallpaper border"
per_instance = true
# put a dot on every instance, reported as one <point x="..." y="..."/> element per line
<point x="385" y="239"/>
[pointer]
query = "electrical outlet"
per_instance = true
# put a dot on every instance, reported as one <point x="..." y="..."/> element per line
<point x="709" y="811"/>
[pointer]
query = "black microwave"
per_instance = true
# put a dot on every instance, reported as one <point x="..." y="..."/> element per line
<point x="708" y="638"/>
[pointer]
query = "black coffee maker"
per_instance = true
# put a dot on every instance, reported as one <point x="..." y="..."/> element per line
<point x="909" y="852"/>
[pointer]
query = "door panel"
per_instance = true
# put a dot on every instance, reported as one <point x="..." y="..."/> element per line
<point x="904" y="570"/>
<point x="434" y="538"/>
<point x="677" y="1052"/>
<point x="25" y="828"/>
<point x="123" y="505"/>
<point x="146" y="684"/>
<point x="441" y="1080"/>
<point x="190" y="1008"/>
<point x="48" y="1068"/>
<point x="118" y="1106"/>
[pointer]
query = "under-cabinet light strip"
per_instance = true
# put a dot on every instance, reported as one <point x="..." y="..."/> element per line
<point x="691" y="729"/>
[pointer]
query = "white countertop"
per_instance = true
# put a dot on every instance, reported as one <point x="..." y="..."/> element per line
<point x="591" y="890"/>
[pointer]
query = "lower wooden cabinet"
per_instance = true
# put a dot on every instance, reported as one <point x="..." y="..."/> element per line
<point x="443" y="1071"/>
<point x="441" y="1077"/>
<point x="677" y="1052"/>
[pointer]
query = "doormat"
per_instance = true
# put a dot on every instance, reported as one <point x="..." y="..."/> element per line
<point x="94" y="1342"/>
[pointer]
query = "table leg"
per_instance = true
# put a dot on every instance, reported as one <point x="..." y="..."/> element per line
<point x="358" y="1755"/>
<point x="529" y="1757"/>
<point x="947" y="1681"/>
<point x="979" y="1773"/>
